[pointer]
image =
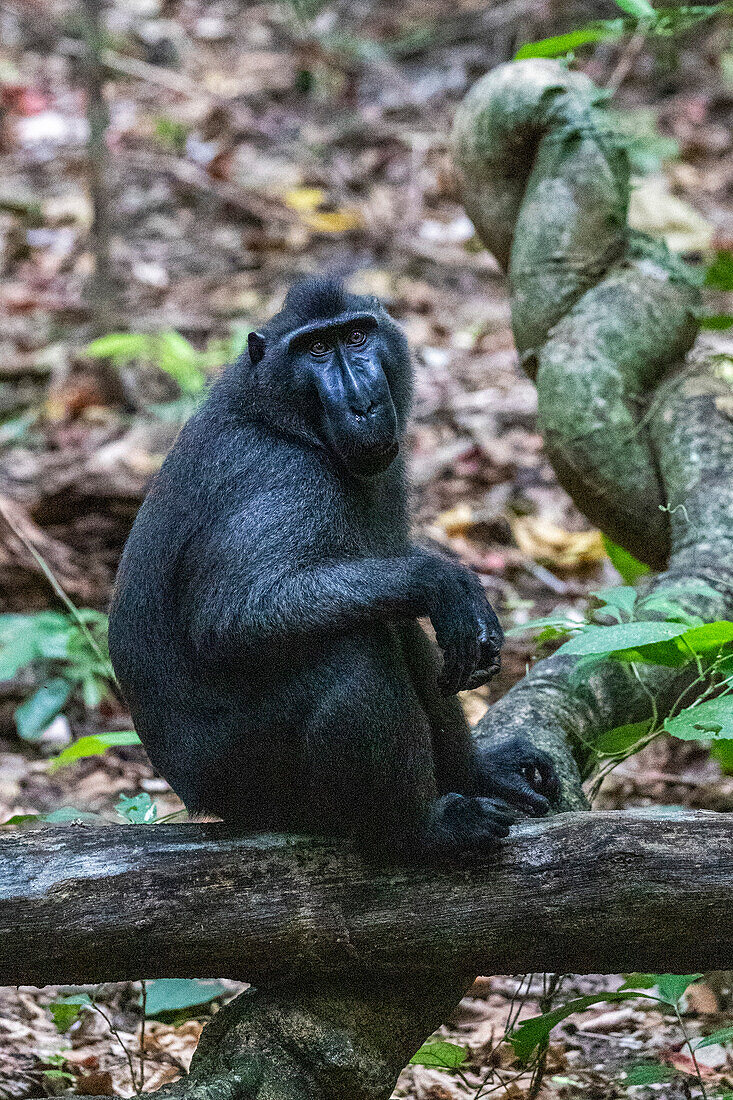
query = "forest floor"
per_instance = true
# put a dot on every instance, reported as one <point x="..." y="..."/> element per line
<point x="249" y="144"/>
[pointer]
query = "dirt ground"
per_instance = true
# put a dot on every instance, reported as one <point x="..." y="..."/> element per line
<point x="248" y="144"/>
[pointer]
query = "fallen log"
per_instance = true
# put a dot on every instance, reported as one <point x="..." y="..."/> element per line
<point x="609" y="891"/>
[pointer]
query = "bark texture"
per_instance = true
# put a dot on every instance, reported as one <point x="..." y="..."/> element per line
<point x="606" y="891"/>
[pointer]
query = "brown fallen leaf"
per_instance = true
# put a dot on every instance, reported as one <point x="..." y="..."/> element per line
<point x="456" y="522"/>
<point x="701" y="998"/>
<point x="655" y="210"/>
<point x="95" y="1084"/>
<point x="685" y="1064"/>
<point x="178" y="1043"/>
<point x="543" y="541"/>
<point x="309" y="203"/>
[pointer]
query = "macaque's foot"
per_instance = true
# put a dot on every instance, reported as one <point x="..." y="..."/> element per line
<point x="521" y="774"/>
<point x="464" y="823"/>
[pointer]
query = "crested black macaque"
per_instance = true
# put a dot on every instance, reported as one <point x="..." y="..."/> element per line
<point x="264" y="626"/>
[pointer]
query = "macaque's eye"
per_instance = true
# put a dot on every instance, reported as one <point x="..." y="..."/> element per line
<point x="318" y="348"/>
<point x="356" y="338"/>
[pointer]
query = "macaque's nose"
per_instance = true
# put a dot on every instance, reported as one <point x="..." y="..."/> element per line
<point x="362" y="409"/>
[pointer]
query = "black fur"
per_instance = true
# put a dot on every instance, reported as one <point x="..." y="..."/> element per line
<point x="264" y="624"/>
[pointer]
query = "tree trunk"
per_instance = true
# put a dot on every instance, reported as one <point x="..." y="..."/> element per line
<point x="639" y="433"/>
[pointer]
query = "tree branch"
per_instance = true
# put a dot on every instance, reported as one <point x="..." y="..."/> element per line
<point x="582" y="892"/>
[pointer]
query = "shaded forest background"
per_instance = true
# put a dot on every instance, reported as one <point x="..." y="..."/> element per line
<point x="157" y="197"/>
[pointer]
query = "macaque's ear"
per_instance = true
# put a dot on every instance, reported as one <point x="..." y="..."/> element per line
<point x="256" y="346"/>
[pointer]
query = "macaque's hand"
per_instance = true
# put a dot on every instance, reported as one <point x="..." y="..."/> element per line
<point x="466" y="629"/>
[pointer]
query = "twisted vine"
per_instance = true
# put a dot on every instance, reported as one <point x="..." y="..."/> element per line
<point x="637" y="427"/>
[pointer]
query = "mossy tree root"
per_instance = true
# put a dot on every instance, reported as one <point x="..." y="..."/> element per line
<point x="639" y="432"/>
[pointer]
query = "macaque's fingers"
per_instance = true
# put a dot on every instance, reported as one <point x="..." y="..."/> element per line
<point x="522" y="774"/>
<point x="460" y="661"/>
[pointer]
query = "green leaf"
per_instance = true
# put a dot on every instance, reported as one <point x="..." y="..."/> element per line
<point x="647" y="1073"/>
<point x="176" y="994"/>
<point x="61" y="1075"/>
<point x="622" y="738"/>
<point x="706" y="721"/>
<point x="66" y="1011"/>
<point x="94" y="745"/>
<point x="671" y="986"/>
<point x="180" y="359"/>
<point x="53" y="645"/>
<point x="176" y="348"/>
<point x="708" y="638"/>
<point x="533" y="1033"/>
<point x="668" y="654"/>
<point x="171" y="133"/>
<point x="18" y="644"/>
<point x="719" y="274"/>
<point x="21" y="819"/>
<point x="717" y="322"/>
<point x="625" y="636"/>
<point x="670" y="611"/>
<point x="138" y="810"/>
<point x="639" y="9"/>
<point x="70" y="813"/>
<point x="30" y="637"/>
<point x="622" y="598"/>
<point x="57" y="1059"/>
<point x="34" y="715"/>
<point x="722" y="751"/>
<point x="93" y="690"/>
<point x="676" y="20"/>
<point x="560" y="623"/>
<point x="694" y="638"/>
<point x="639" y="981"/>
<point x="676" y="650"/>
<point x="722" y="1035"/>
<point x="442" y="1055"/>
<point x="120" y="346"/>
<point x="625" y="563"/>
<point x="560" y="44"/>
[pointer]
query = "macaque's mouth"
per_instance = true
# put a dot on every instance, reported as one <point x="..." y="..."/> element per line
<point x="372" y="461"/>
